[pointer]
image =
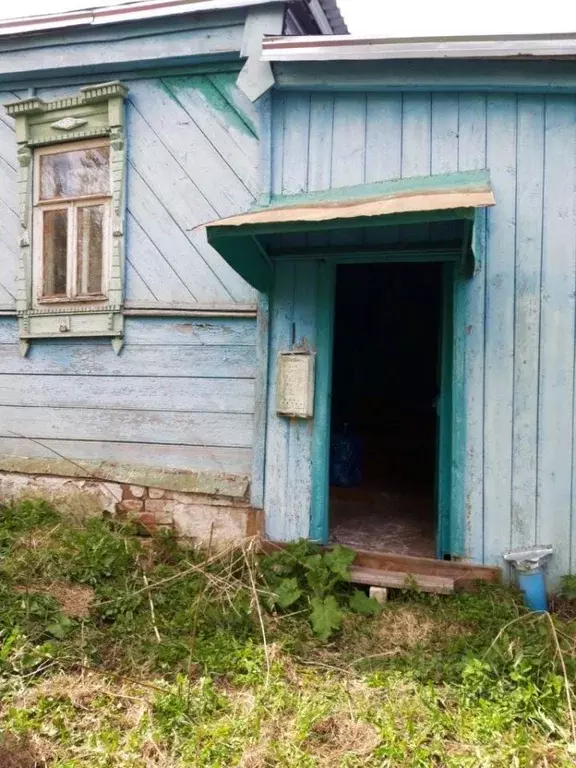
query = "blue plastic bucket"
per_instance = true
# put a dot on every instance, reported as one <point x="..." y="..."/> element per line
<point x="534" y="587"/>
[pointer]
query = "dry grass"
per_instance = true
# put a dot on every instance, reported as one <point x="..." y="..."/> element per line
<point x="75" y="600"/>
<point x="406" y="627"/>
<point x="179" y="661"/>
<point x="95" y="703"/>
<point x="20" y="752"/>
<point x="339" y="734"/>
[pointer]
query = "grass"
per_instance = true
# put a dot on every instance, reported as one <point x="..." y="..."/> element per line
<point x="117" y="650"/>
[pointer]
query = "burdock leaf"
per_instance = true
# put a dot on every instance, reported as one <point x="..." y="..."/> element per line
<point x="287" y="592"/>
<point x="361" y="603"/>
<point x="326" y="616"/>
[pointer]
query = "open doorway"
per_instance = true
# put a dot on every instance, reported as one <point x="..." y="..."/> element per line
<point x="385" y="389"/>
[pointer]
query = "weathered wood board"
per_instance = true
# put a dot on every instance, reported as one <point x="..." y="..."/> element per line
<point x="179" y="396"/>
<point x="514" y="368"/>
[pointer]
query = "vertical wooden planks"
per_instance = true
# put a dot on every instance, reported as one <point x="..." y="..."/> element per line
<point x="296" y="131"/>
<point x="260" y="402"/>
<point x="444" y="133"/>
<point x="291" y="467"/>
<point x="467" y="521"/>
<point x="288" y="472"/>
<point x="279" y="520"/>
<point x="383" y="136"/>
<point x="295" y="158"/>
<point x="277" y="142"/>
<point x="416" y="132"/>
<point x="443" y="148"/>
<point x="320" y="141"/>
<point x="557" y="332"/>
<point x="348" y="148"/>
<point x="320" y="152"/>
<point x="529" y="202"/>
<point x="299" y="468"/>
<point x="513" y="372"/>
<point x="499" y="330"/>
<point x="349" y="140"/>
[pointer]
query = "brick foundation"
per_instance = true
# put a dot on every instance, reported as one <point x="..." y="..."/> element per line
<point x="197" y="518"/>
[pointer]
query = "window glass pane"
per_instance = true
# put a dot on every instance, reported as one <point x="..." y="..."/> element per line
<point x="55" y="246"/>
<point x="90" y="240"/>
<point x="74" y="174"/>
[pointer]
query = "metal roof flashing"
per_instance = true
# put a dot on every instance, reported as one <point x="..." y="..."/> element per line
<point x="420" y="199"/>
<point x="352" y="48"/>
<point x="142" y="10"/>
<point x="334" y="17"/>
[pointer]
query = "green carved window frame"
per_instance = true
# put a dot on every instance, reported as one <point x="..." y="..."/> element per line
<point x="92" y="121"/>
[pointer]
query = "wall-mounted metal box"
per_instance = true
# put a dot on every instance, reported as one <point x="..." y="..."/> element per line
<point x="295" y="385"/>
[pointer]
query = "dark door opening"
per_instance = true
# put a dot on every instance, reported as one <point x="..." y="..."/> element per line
<point x="385" y="388"/>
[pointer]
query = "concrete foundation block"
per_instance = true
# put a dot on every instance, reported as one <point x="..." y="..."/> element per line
<point x="380" y="594"/>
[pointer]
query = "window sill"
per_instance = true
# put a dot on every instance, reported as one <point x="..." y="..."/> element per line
<point x="72" y="320"/>
<point x="64" y="301"/>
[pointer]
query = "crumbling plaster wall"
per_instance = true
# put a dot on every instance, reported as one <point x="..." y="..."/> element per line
<point x="196" y="518"/>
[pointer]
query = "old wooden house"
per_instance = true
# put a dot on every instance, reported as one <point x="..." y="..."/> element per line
<point x="242" y="250"/>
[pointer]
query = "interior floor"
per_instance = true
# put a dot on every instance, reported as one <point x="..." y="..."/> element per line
<point x="384" y="392"/>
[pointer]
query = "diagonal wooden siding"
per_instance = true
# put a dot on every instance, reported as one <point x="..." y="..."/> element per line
<point x="181" y="393"/>
<point x="516" y="318"/>
<point x="9" y="225"/>
<point x="192" y="158"/>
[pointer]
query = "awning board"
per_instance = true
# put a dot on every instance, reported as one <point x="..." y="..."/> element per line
<point x="418" y="199"/>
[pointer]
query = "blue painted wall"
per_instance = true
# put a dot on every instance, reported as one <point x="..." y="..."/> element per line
<point x="67" y="52"/>
<point x="515" y="372"/>
<point x="181" y="393"/>
<point x="193" y="158"/>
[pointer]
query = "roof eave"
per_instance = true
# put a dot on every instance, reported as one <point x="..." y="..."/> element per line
<point x="350" y="48"/>
<point x="141" y="10"/>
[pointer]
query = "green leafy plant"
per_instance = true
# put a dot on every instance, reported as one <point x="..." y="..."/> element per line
<point x="360" y="603"/>
<point x="568" y="587"/>
<point x="97" y="552"/>
<point x="184" y="667"/>
<point x="326" y="616"/>
<point x="303" y="576"/>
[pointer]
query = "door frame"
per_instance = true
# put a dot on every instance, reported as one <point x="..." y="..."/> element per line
<point x="446" y="449"/>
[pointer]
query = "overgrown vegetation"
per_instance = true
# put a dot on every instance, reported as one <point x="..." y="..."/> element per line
<point x="116" y="650"/>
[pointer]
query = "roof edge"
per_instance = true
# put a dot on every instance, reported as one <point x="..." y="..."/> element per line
<point x="141" y="10"/>
<point x="348" y="47"/>
<point x="334" y="17"/>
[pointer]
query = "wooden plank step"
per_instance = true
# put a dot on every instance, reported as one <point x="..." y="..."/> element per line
<point x="373" y="577"/>
<point x="458" y="570"/>
<point x="462" y="575"/>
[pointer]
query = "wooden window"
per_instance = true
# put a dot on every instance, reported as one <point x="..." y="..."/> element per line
<point x="72" y="157"/>
<point x="71" y="230"/>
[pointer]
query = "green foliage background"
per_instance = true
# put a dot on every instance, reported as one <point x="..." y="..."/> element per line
<point x="234" y="659"/>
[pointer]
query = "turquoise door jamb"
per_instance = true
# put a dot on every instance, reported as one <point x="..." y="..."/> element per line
<point x="319" y="507"/>
<point x="444" y="418"/>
